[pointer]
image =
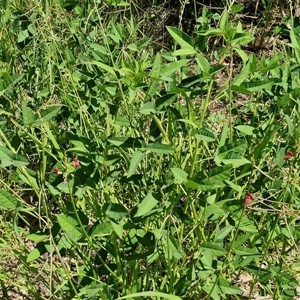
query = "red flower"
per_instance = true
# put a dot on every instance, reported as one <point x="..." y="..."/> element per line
<point x="288" y="155"/>
<point x="248" y="199"/>
<point x="57" y="171"/>
<point x="75" y="162"/>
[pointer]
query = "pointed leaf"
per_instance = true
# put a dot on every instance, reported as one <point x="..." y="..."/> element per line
<point x="220" y="173"/>
<point x="184" y="52"/>
<point x="205" y="135"/>
<point x="245" y="129"/>
<point x="102" y="229"/>
<point x="148" y="203"/>
<point x="229" y="290"/>
<point x="160" y="148"/>
<point x="155" y="295"/>
<point x="201" y="186"/>
<point x="19" y="160"/>
<point x="203" y="63"/>
<point x="235" y="159"/>
<point x="224" y="20"/>
<point x="185" y="41"/>
<point x="148" y="108"/>
<point x="33" y="255"/>
<point x="165" y="101"/>
<point x="116" y="211"/>
<point x="215" y="249"/>
<point x="238" y="146"/>
<point x="103" y="66"/>
<point x="155" y="71"/>
<point x="179" y="174"/>
<point x="7" y="201"/>
<point x="50" y="112"/>
<point x="126" y="142"/>
<point x="28" y="115"/>
<point x="257" y="85"/>
<point x="172" y="67"/>
<point x="69" y="225"/>
<point x="137" y="157"/>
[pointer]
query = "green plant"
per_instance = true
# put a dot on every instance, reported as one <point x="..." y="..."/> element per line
<point x="128" y="174"/>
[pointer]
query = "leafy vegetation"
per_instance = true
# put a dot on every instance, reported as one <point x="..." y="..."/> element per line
<point x="140" y="162"/>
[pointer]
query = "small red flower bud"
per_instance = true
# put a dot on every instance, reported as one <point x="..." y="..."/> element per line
<point x="75" y="162"/>
<point x="248" y="199"/>
<point x="57" y="171"/>
<point x="288" y="155"/>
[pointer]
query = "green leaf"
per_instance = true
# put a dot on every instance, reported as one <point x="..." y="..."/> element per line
<point x="214" y="31"/>
<point x="7" y="201"/>
<point x="172" y="67"/>
<point x="151" y="294"/>
<point x="235" y="159"/>
<point x="148" y="203"/>
<point x="242" y="54"/>
<point x="246" y="251"/>
<point x="245" y="129"/>
<point x="23" y="35"/>
<point x="5" y="153"/>
<point x="221" y="234"/>
<point x="118" y="228"/>
<point x="154" y="74"/>
<point x="280" y="157"/>
<point x="185" y="41"/>
<point x="184" y="52"/>
<point x="247" y="225"/>
<point x="122" y="121"/>
<point x="8" y="81"/>
<point x="30" y="180"/>
<point x="137" y="157"/>
<point x="79" y="146"/>
<point x="126" y="142"/>
<point x="234" y="186"/>
<point x="28" y="115"/>
<point x="229" y="290"/>
<point x="37" y="237"/>
<point x="294" y="39"/>
<point x="165" y="101"/>
<point x="116" y="211"/>
<point x="69" y="225"/>
<point x="215" y="69"/>
<point x="160" y="148"/>
<point x="237" y="8"/>
<point x="240" y="89"/>
<point x="50" y="112"/>
<point x="155" y="71"/>
<point x="33" y="255"/>
<point x="203" y="63"/>
<point x="243" y="74"/>
<point x="201" y="186"/>
<point x="19" y="160"/>
<point x="103" y="66"/>
<point x="257" y="85"/>
<point x="224" y="20"/>
<point x="102" y="229"/>
<point x="220" y="173"/>
<point x="238" y="146"/>
<point x="205" y="135"/>
<point x="148" y="108"/>
<point x="91" y="291"/>
<point x="215" y="249"/>
<point x="179" y="174"/>
<point x="16" y="160"/>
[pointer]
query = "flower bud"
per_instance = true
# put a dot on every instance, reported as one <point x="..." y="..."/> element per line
<point x="288" y="155"/>
<point x="76" y="162"/>
<point x="248" y="199"/>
